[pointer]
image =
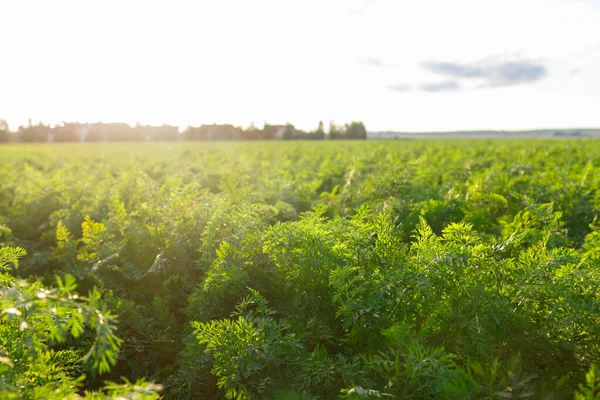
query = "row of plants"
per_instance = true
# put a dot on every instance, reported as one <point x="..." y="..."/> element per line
<point x="422" y="269"/>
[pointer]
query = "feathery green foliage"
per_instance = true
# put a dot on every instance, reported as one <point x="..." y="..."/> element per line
<point x="354" y="270"/>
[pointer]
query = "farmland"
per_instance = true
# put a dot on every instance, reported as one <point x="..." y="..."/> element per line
<point x="305" y="270"/>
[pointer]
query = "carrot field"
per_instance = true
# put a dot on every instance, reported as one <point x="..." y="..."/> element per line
<point x="407" y="269"/>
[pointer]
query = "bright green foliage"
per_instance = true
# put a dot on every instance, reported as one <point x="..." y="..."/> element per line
<point x="406" y="269"/>
<point x="251" y="352"/>
<point x="10" y="255"/>
<point x="35" y="321"/>
<point x="591" y="390"/>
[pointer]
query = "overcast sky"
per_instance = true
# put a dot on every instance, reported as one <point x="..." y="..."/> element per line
<point x="396" y="65"/>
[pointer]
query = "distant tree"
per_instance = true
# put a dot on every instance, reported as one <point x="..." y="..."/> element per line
<point x="289" y="132"/>
<point x="4" y="132"/>
<point x="319" y="134"/>
<point x="164" y="133"/>
<point x="193" y="133"/>
<point x="121" y="132"/>
<point x="250" y="133"/>
<point x="155" y="133"/>
<point x="95" y="133"/>
<point x="213" y="132"/>
<point x="224" y="132"/>
<point x="66" y="132"/>
<point x="269" y="132"/>
<point x="335" y="131"/>
<point x="356" y="130"/>
<point x="34" y="133"/>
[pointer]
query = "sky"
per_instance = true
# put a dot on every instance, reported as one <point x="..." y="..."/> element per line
<point x="426" y="65"/>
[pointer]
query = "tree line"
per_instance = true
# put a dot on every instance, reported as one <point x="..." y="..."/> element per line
<point x="121" y="132"/>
